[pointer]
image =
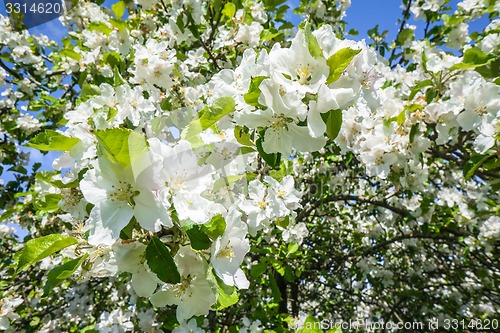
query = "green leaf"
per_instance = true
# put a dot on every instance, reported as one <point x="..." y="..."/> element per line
<point x="193" y="27"/>
<point x="338" y="62"/>
<point x="112" y="58"/>
<point x="272" y="4"/>
<point x="119" y="8"/>
<point x="229" y="10"/>
<point x="60" y="273"/>
<point x="475" y="56"/>
<point x="373" y="31"/>
<point x="492" y="164"/>
<point x="414" y="131"/>
<point x="38" y="248"/>
<point x="246" y="150"/>
<point x="19" y="169"/>
<point x="51" y="140"/>
<point x="452" y="20"/>
<point x="491" y="69"/>
<point x="400" y="119"/>
<point x="216" y="227"/>
<point x="273" y="160"/>
<point x="111" y="114"/>
<point x="313" y="46"/>
<point x="419" y="87"/>
<point x="119" y="24"/>
<point x="278" y="267"/>
<point x="166" y="104"/>
<point x="333" y="123"/>
<point x="199" y="239"/>
<point x="71" y="54"/>
<point x="267" y="34"/>
<point x="127" y="232"/>
<point x="160" y="261"/>
<point x="35" y="321"/>
<point x="253" y="94"/>
<point x="89" y="90"/>
<point x="280" y="13"/>
<point x="46" y="176"/>
<point x="289" y="274"/>
<point x="216" y="5"/>
<point x="100" y="26"/>
<point x="243" y="137"/>
<point x="221" y="107"/>
<point x="257" y="270"/>
<point x="228" y="180"/>
<point x="473" y="164"/>
<point x="227" y="295"/>
<point x="283" y="222"/>
<point x="430" y="95"/>
<point x="404" y="35"/>
<point x="118" y="78"/>
<point x="48" y="203"/>
<point x="180" y="23"/>
<point x="312" y="42"/>
<point x="275" y="290"/>
<point x="123" y="146"/>
<point x="286" y="25"/>
<point x="292" y="248"/>
<point x="414" y="107"/>
<point x="7" y="214"/>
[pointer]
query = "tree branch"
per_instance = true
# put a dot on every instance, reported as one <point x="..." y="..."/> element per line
<point x="401" y="27"/>
<point x="334" y="198"/>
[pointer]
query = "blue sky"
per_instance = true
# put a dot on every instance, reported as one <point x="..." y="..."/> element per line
<point x="362" y="15"/>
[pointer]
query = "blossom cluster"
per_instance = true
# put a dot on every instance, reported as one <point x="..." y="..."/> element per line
<point x="190" y="136"/>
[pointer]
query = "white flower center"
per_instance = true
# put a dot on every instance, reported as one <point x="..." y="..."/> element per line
<point x="157" y="73"/>
<point x="178" y="183"/>
<point x="184" y="286"/>
<point x="123" y="192"/>
<point x="226" y="153"/>
<point x="481" y="110"/>
<point x="227" y="252"/>
<point x="281" y="193"/>
<point x="278" y="122"/>
<point x="304" y="73"/>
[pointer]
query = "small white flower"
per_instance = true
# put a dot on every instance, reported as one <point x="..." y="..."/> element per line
<point x="194" y="295"/>
<point x="188" y="327"/>
<point x="228" y="252"/>
<point x="117" y="198"/>
<point x="28" y="123"/>
<point x="130" y="257"/>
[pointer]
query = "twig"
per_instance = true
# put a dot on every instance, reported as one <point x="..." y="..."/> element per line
<point x="401" y="27"/>
<point x="210" y="55"/>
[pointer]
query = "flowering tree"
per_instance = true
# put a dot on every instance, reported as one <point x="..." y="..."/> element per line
<point x="220" y="169"/>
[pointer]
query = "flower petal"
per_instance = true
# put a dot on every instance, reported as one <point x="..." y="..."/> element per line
<point x="106" y="221"/>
